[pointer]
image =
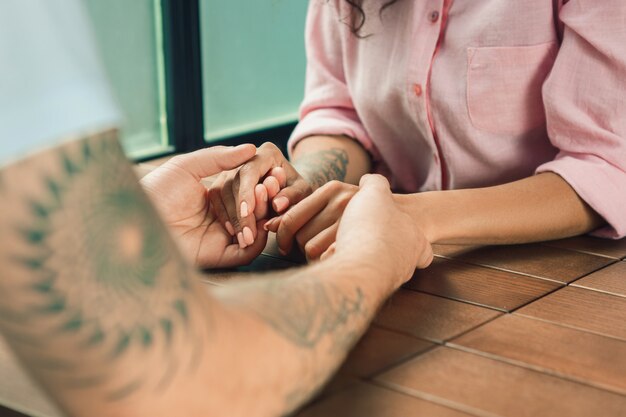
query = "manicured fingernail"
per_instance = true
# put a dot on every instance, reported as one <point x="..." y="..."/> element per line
<point x="242" y="243"/>
<point x="244" y="209"/>
<point x="266" y="227"/>
<point x="230" y="229"/>
<point x="248" y="237"/>
<point x="281" y="203"/>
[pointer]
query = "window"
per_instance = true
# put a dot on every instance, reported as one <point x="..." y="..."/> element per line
<point x="129" y="34"/>
<point x="188" y="72"/>
<point x="253" y="64"/>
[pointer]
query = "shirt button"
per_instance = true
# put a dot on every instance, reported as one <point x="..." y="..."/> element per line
<point x="417" y="89"/>
<point x="434" y="16"/>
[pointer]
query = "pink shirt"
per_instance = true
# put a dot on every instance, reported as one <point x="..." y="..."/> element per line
<point x="457" y="94"/>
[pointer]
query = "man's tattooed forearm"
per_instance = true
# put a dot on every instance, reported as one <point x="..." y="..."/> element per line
<point x="318" y="168"/>
<point x="104" y="279"/>
<point x="307" y="312"/>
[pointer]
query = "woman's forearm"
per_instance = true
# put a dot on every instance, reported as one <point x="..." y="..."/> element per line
<point x="538" y="208"/>
<point x="320" y="159"/>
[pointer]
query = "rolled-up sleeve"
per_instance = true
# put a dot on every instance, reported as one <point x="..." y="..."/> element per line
<point x="585" y="103"/>
<point x="327" y="108"/>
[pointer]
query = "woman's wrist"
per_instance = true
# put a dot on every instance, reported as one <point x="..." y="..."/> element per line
<point x="421" y="209"/>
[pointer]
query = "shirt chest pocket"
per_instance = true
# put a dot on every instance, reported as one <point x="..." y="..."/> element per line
<point x="504" y="86"/>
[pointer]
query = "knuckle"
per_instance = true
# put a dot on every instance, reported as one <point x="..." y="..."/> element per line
<point x="269" y="146"/>
<point x="333" y="186"/>
<point x="177" y="160"/>
<point x="312" y="249"/>
<point x="288" y="222"/>
<point x="244" y="170"/>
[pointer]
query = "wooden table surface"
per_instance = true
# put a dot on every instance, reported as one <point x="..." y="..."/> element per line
<point x="529" y="330"/>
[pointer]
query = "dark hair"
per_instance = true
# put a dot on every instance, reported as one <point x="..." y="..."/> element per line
<point x="357" y="16"/>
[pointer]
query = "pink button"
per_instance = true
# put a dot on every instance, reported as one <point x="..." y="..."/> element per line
<point x="417" y="89"/>
<point x="434" y="16"/>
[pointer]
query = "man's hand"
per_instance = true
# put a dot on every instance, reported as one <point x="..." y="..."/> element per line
<point x="184" y="205"/>
<point x="376" y="232"/>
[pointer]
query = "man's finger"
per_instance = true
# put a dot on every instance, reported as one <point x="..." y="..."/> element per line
<point x="374" y="180"/>
<point x="210" y="161"/>
<point x="319" y="244"/>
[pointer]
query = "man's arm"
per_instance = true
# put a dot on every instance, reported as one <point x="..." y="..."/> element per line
<point x="101" y="308"/>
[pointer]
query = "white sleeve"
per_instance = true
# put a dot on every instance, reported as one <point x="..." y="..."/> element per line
<point x="52" y="84"/>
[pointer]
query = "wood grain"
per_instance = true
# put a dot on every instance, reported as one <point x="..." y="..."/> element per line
<point x="497" y="289"/>
<point x="604" y="247"/>
<point x="379" y="349"/>
<point x="611" y="279"/>
<point x="575" y="354"/>
<point x="593" y="311"/>
<point x="430" y="317"/>
<point x="539" y="261"/>
<point x="365" y="400"/>
<point x="486" y="386"/>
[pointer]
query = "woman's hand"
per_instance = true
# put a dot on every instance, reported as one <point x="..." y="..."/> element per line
<point x="314" y="221"/>
<point x="242" y="196"/>
<point x="182" y="200"/>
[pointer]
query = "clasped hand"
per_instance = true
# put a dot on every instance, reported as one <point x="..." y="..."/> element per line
<point x="226" y="224"/>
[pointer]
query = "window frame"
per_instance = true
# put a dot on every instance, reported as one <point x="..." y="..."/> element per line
<point x="183" y="86"/>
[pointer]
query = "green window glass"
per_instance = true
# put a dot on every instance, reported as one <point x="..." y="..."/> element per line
<point x="253" y="64"/>
<point x="129" y="34"/>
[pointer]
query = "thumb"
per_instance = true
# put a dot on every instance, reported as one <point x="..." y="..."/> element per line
<point x="210" y="161"/>
<point x="374" y="181"/>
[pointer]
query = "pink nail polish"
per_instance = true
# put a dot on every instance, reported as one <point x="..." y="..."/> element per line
<point x="230" y="229"/>
<point x="247" y="236"/>
<point x="281" y="203"/>
<point x="244" y="209"/>
<point x="242" y="244"/>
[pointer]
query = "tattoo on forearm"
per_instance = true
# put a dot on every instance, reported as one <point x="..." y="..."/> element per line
<point x="103" y="279"/>
<point x="318" y="168"/>
<point x="309" y="312"/>
<point x="322" y="318"/>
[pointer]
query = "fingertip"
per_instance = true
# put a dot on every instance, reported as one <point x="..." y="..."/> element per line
<point x="261" y="192"/>
<point x="280" y="204"/>
<point x="248" y="237"/>
<point x="245" y="148"/>
<point x="374" y="180"/>
<point x="272" y="224"/>
<point x="244" y="209"/>
<point x="272" y="186"/>
<point x="241" y="241"/>
<point x="229" y="228"/>
<point x="281" y="176"/>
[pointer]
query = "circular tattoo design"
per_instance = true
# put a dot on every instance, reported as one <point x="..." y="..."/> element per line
<point x="107" y="274"/>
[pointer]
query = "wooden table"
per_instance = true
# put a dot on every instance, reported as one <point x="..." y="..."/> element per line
<point x="530" y="330"/>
